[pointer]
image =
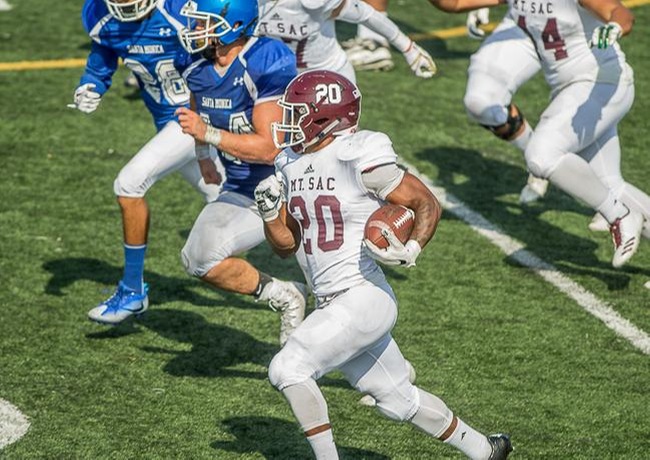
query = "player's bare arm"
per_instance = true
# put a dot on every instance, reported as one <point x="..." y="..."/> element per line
<point x="459" y="6"/>
<point x="611" y="11"/>
<point x="208" y="169"/>
<point x="283" y="233"/>
<point x="413" y="194"/>
<point x="255" y="147"/>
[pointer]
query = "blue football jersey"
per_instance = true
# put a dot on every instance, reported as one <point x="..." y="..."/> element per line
<point x="261" y="73"/>
<point x="149" y="48"/>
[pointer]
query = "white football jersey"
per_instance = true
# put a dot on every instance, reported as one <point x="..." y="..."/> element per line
<point x="561" y="31"/>
<point x="326" y="196"/>
<point x="307" y="28"/>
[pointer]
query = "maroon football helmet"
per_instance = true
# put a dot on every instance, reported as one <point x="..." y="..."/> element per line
<point x="316" y="104"/>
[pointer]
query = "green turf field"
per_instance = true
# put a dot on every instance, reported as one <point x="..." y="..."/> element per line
<point x="506" y="350"/>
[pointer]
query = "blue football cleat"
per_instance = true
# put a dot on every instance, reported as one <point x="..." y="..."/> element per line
<point x="122" y="304"/>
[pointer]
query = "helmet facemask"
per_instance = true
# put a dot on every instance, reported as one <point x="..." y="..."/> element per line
<point x="289" y="133"/>
<point x="130" y="11"/>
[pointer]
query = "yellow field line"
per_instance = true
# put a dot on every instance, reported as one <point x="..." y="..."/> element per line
<point x="443" y="34"/>
<point x="41" y="65"/>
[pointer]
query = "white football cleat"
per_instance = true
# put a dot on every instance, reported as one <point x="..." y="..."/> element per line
<point x="626" y="235"/>
<point x="366" y="54"/>
<point x="598" y="223"/>
<point x="368" y="400"/>
<point x="534" y="189"/>
<point x="290" y="299"/>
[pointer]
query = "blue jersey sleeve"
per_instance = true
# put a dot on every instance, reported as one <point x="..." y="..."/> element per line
<point x="100" y="67"/>
<point x="275" y="70"/>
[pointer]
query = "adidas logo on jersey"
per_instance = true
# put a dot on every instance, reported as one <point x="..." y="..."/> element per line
<point x="309" y="170"/>
<point x="276" y="17"/>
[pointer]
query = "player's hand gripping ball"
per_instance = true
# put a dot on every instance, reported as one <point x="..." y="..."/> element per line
<point x="387" y="234"/>
<point x="391" y="217"/>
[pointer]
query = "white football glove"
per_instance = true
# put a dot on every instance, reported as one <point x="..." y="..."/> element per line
<point x="268" y="197"/>
<point x="396" y="253"/>
<point x="420" y="61"/>
<point x="475" y="19"/>
<point x="85" y="99"/>
<point x="605" y="36"/>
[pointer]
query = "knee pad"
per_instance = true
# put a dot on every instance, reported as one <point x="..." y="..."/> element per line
<point x="287" y="368"/>
<point x="542" y="158"/>
<point x="129" y="184"/>
<point x="484" y="111"/>
<point x="400" y="404"/>
<point x="197" y="259"/>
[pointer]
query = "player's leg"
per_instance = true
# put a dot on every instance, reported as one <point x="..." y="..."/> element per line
<point x="370" y="50"/>
<point x="505" y="61"/>
<point x="224" y="229"/>
<point x="192" y="174"/>
<point x="337" y="331"/>
<point x="604" y="156"/>
<point x="577" y="117"/>
<point x="166" y="152"/>
<point x="383" y="372"/>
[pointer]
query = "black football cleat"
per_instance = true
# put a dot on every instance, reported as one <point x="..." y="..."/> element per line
<point x="501" y="446"/>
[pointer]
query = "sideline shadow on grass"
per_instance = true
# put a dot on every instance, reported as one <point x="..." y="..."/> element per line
<point x="277" y="439"/>
<point x="163" y="289"/>
<point x="481" y="183"/>
<point x="215" y="347"/>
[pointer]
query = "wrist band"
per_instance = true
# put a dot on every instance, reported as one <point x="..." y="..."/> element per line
<point x="213" y="136"/>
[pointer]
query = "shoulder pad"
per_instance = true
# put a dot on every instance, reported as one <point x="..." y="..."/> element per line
<point x="93" y="12"/>
<point x="173" y="8"/>
<point x="321" y="4"/>
<point x="364" y="144"/>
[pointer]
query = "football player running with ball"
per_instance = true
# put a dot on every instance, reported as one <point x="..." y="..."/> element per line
<point x="329" y="180"/>
<point x="143" y="33"/>
<point x="235" y="87"/>
<point x="575" y="144"/>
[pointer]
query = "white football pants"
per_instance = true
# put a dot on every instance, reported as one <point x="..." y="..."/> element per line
<point x="352" y="333"/>
<point x="168" y="151"/>
<point x="505" y="61"/>
<point x="226" y="227"/>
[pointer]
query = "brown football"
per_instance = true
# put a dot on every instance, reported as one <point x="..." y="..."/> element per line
<point x="390" y="216"/>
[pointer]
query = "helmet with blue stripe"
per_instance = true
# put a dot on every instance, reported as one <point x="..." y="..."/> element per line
<point x="217" y="22"/>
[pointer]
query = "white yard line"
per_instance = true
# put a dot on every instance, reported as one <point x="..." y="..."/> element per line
<point x="13" y="424"/>
<point x="515" y="249"/>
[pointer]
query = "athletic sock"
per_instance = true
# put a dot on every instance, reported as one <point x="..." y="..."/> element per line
<point x="264" y="280"/>
<point x="323" y="445"/>
<point x="469" y="441"/>
<point x="134" y="266"/>
<point x="309" y="407"/>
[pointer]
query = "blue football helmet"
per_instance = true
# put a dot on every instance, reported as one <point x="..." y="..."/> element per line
<point x="223" y="20"/>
